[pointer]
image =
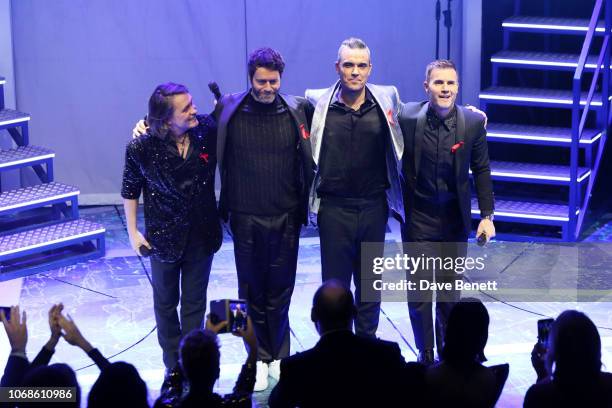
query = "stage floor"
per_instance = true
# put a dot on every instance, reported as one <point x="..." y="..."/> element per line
<point x="111" y="301"/>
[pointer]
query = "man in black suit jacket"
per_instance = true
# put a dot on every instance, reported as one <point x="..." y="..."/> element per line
<point x="442" y="142"/>
<point x="266" y="169"/>
<point x="343" y="369"/>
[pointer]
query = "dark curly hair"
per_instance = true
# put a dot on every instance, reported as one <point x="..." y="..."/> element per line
<point x="265" y="58"/>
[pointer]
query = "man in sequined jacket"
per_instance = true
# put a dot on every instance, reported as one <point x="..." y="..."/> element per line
<point x="174" y="165"/>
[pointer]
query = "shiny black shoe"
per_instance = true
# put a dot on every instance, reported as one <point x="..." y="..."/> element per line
<point x="426" y="357"/>
<point x="172" y="387"/>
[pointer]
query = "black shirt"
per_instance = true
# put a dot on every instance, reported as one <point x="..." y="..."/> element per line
<point x="179" y="195"/>
<point x="436" y="181"/>
<point x="262" y="159"/>
<point x="436" y="215"/>
<point x="353" y="159"/>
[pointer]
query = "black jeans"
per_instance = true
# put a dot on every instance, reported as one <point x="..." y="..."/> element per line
<point x="185" y="280"/>
<point x="344" y="224"/>
<point x="266" y="249"/>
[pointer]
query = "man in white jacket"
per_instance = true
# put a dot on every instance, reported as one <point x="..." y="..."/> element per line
<point x="357" y="147"/>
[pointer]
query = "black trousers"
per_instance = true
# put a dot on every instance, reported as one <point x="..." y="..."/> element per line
<point x="186" y="281"/>
<point x="344" y="224"/>
<point x="437" y="232"/>
<point x="266" y="250"/>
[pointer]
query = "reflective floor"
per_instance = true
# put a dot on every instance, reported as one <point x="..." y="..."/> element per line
<point x="111" y="301"/>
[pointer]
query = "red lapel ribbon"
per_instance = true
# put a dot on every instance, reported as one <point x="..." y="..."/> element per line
<point x="304" y="132"/>
<point x="204" y="156"/>
<point x="456" y="147"/>
<point x="390" y="117"/>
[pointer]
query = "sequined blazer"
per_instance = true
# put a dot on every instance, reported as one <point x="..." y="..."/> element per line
<point x="169" y="211"/>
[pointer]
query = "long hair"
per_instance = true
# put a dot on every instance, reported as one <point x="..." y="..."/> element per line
<point x="54" y="375"/>
<point x="161" y="109"/>
<point x="467" y="332"/>
<point x="575" y="348"/>
<point x="119" y="385"/>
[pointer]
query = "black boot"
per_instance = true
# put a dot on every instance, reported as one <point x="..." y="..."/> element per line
<point x="172" y="387"/>
<point x="426" y="357"/>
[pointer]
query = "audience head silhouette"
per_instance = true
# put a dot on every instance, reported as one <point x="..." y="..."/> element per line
<point x="574" y="347"/>
<point x="199" y="358"/>
<point x="333" y="307"/>
<point x="119" y="385"/>
<point x="467" y="332"/>
<point x="55" y="375"/>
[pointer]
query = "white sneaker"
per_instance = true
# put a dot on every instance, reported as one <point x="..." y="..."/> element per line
<point x="274" y="369"/>
<point x="261" y="378"/>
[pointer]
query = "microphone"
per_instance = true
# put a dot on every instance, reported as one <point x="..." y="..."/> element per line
<point x="144" y="251"/>
<point x="482" y="239"/>
<point x="214" y="88"/>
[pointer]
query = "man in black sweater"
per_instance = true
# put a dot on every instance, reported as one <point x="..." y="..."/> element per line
<point x="265" y="165"/>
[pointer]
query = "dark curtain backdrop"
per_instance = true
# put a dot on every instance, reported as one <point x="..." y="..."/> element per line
<point x="85" y="68"/>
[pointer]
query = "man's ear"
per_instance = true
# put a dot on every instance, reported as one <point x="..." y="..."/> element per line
<point x="426" y="86"/>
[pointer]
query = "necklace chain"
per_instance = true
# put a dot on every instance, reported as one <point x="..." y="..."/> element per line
<point x="181" y="146"/>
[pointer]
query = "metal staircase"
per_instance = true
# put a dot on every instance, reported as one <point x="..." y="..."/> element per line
<point x="55" y="236"/>
<point x="586" y="101"/>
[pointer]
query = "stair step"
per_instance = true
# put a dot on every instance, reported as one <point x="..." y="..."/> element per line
<point x="36" y="196"/>
<point x="49" y="237"/>
<point x="540" y="135"/>
<point x="10" y="117"/>
<point x="551" y="25"/>
<point x="535" y="172"/>
<point x="529" y="212"/>
<point x="24" y="156"/>
<point x="553" y="98"/>
<point x="542" y="60"/>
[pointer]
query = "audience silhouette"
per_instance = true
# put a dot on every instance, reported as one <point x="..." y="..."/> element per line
<point x="342" y="369"/>
<point x="569" y="372"/>
<point x="460" y="379"/>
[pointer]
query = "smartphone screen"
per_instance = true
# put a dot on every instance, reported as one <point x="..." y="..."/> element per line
<point x="544" y="327"/>
<point x="238" y="315"/>
<point x="7" y="312"/>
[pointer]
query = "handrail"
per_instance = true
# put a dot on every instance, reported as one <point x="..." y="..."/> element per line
<point x="587" y="41"/>
<point x="603" y="61"/>
<point x="578" y="121"/>
<point x="589" y="99"/>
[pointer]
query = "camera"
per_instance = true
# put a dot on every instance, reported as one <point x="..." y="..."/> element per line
<point x="234" y="311"/>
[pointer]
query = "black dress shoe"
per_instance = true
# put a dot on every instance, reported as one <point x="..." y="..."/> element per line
<point x="426" y="357"/>
<point x="172" y="386"/>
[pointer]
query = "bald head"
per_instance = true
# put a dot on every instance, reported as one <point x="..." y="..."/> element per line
<point x="333" y="307"/>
